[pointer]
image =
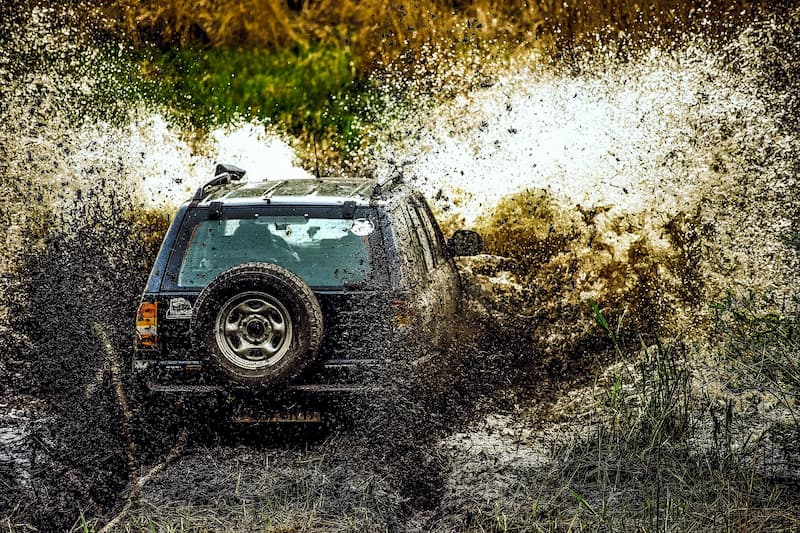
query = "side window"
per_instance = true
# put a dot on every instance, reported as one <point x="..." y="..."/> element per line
<point x="422" y="237"/>
<point x="407" y="242"/>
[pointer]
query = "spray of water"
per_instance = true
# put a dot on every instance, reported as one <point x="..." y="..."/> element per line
<point x="165" y="166"/>
<point x="84" y="165"/>
<point x="674" y="174"/>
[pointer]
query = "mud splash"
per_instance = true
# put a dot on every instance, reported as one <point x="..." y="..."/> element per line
<point x="650" y="186"/>
<point x="85" y="170"/>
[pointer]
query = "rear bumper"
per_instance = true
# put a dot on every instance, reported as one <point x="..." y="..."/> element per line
<point x="332" y="377"/>
<point x="304" y="388"/>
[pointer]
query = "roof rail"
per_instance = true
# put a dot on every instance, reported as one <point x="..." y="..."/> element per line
<point x="223" y="174"/>
<point x="394" y="179"/>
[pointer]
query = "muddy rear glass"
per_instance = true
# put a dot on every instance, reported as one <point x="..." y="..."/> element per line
<point x="323" y="252"/>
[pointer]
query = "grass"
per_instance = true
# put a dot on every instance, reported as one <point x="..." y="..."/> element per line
<point x="311" y="92"/>
<point x="304" y="65"/>
<point x="667" y="450"/>
<point x="308" y="491"/>
<point x="381" y="32"/>
<point x="659" y="451"/>
<point x="762" y="350"/>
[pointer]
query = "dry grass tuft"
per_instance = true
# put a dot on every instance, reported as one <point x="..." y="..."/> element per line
<point x="383" y="31"/>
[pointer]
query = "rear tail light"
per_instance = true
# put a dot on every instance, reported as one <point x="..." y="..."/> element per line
<point x="147" y="325"/>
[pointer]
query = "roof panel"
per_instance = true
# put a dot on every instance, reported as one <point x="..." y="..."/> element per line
<point x="304" y="190"/>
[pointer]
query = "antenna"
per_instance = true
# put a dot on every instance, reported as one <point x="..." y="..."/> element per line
<point x="316" y="158"/>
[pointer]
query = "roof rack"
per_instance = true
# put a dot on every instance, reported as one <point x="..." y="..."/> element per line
<point x="223" y="174"/>
<point x="268" y="193"/>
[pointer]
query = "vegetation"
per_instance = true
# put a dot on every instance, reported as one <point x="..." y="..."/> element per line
<point x="664" y="450"/>
<point x="312" y="91"/>
<point x="381" y="32"/>
<point x="306" y="65"/>
<point x="654" y="448"/>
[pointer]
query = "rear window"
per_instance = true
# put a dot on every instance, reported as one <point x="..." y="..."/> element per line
<point x="323" y="252"/>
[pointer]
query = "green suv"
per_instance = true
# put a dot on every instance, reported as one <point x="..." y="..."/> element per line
<point x="300" y="286"/>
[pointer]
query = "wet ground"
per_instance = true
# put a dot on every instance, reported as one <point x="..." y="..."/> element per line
<point x="387" y="463"/>
<point x="423" y="462"/>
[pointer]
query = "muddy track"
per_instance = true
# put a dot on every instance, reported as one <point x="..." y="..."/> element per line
<point x="381" y="457"/>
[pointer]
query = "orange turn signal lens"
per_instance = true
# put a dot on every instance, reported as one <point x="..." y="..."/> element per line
<point x="147" y="313"/>
<point x="147" y="324"/>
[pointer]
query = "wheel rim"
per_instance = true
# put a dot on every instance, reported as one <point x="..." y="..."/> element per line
<point x="253" y="330"/>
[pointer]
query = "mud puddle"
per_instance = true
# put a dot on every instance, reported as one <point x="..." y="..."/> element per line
<point x="463" y="428"/>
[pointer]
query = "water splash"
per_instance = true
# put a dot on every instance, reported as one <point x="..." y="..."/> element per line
<point x="72" y="122"/>
<point x="172" y="168"/>
<point x="697" y="130"/>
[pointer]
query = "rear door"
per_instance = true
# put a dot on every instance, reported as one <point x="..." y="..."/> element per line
<point x="323" y="249"/>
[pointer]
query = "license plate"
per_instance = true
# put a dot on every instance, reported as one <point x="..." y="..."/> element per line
<point x="280" y="417"/>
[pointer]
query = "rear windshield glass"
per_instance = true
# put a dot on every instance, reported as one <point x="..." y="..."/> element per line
<point x="323" y="252"/>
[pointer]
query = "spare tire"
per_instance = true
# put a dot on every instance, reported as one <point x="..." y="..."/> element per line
<point x="259" y="322"/>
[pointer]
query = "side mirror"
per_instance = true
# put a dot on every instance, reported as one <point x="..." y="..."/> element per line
<point x="465" y="242"/>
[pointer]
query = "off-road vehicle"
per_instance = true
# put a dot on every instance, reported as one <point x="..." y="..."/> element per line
<point x="296" y="286"/>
